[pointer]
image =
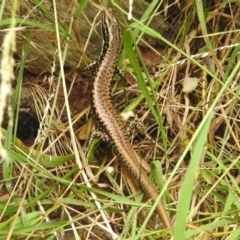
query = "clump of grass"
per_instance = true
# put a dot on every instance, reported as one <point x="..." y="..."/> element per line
<point x="51" y="189"/>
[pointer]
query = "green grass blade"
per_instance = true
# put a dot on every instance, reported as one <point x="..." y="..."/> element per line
<point x="50" y="16"/>
<point x="188" y="183"/>
<point x="3" y="2"/>
<point x="142" y="85"/>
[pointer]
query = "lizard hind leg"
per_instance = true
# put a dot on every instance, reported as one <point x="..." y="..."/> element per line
<point x="98" y="135"/>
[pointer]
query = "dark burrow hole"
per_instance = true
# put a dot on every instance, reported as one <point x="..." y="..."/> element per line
<point x="27" y="128"/>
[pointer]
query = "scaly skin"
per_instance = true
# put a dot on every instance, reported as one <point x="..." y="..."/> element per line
<point x="107" y="115"/>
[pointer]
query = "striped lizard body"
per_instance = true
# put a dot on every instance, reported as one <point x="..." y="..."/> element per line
<point x="107" y="116"/>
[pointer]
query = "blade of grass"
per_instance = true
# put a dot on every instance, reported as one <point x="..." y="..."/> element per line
<point x="235" y="235"/>
<point x="3" y="2"/>
<point x="49" y="15"/>
<point x="181" y="226"/>
<point x="190" y="234"/>
<point x="202" y="20"/>
<point x="6" y="22"/>
<point x="7" y="66"/>
<point x="18" y="88"/>
<point x="232" y="59"/>
<point x="81" y="8"/>
<point x="188" y="183"/>
<point x="142" y="85"/>
<point x="151" y="102"/>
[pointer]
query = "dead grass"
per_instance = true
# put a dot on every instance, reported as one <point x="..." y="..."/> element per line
<point x="192" y="142"/>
